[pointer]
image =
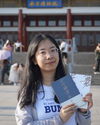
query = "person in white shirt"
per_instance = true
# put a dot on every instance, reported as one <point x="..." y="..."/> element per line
<point x="18" y="46"/>
<point x="64" y="49"/>
<point x="6" y="52"/>
<point x="37" y="102"/>
<point x="14" y="74"/>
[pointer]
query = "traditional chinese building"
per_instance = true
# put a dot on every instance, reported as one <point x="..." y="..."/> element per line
<point x="63" y="19"/>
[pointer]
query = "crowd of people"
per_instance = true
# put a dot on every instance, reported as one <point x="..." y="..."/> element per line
<point x="6" y="62"/>
<point x="13" y="71"/>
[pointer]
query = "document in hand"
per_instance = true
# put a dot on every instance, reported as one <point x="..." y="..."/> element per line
<point x="67" y="92"/>
<point x="83" y="82"/>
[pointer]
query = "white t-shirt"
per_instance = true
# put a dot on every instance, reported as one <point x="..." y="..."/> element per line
<point x="14" y="74"/>
<point x="47" y="107"/>
<point x="64" y="45"/>
<point x="17" y="44"/>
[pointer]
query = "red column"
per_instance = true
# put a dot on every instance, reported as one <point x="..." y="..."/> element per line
<point x="20" y="26"/>
<point x="25" y="37"/>
<point x="69" y="28"/>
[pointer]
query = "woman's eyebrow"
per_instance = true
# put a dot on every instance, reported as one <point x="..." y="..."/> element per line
<point x="41" y="49"/>
<point x="45" y="48"/>
<point x="52" y="47"/>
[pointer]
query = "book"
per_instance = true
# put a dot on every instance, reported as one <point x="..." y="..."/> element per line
<point x="68" y="92"/>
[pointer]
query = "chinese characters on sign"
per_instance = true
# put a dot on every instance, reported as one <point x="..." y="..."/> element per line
<point x="44" y="3"/>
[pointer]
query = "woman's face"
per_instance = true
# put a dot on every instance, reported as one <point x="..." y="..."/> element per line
<point x="47" y="56"/>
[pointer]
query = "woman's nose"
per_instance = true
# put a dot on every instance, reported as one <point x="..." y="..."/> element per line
<point x="49" y="55"/>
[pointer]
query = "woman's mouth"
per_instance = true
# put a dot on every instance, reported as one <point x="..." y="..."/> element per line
<point x="51" y="62"/>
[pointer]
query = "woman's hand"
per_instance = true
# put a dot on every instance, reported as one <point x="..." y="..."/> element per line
<point x="87" y="98"/>
<point x="66" y="112"/>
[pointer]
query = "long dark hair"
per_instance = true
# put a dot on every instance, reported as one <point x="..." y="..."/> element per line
<point x="32" y="78"/>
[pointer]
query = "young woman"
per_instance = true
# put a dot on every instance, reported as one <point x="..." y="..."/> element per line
<point x="37" y="103"/>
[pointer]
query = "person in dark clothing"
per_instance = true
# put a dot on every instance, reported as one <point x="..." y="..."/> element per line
<point x="97" y="53"/>
<point x="4" y="70"/>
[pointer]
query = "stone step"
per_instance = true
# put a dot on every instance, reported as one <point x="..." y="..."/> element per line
<point x="96" y="81"/>
<point x="96" y="77"/>
<point x="83" y="58"/>
<point x="83" y="69"/>
<point x="19" y="57"/>
<point x="87" y="70"/>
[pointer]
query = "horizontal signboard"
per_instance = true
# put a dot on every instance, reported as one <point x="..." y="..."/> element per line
<point x="44" y="3"/>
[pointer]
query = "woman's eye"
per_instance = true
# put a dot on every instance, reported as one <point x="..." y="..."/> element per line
<point x="43" y="52"/>
<point x="54" y="50"/>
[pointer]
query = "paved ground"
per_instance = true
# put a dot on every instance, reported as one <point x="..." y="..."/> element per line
<point x="8" y="102"/>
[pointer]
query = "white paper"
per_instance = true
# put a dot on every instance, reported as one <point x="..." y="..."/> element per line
<point x="77" y="100"/>
<point x="83" y="83"/>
